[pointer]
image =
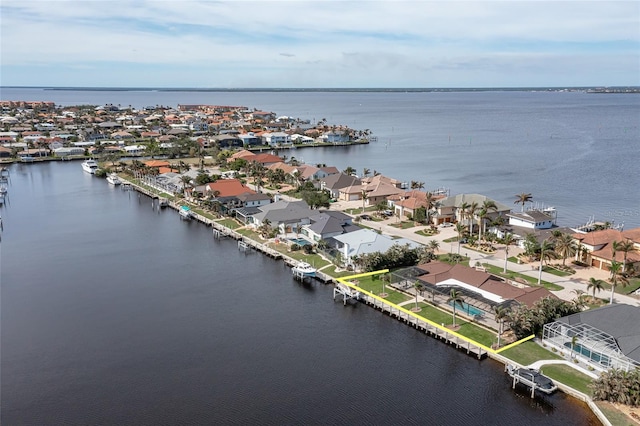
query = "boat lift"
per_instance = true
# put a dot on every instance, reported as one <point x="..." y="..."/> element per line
<point x="347" y="292"/>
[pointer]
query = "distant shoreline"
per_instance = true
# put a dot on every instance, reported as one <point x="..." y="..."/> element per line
<point x="588" y="89"/>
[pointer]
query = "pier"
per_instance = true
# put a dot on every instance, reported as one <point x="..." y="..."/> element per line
<point x="429" y="327"/>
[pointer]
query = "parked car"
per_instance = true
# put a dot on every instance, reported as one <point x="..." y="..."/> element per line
<point x="387" y="213"/>
<point x="446" y="225"/>
<point x="365" y="217"/>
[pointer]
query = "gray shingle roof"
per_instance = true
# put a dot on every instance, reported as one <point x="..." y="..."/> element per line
<point x="620" y="321"/>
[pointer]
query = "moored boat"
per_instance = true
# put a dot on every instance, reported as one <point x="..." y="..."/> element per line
<point x="185" y="212"/>
<point x="113" y="179"/>
<point x="90" y="166"/>
<point x="532" y="378"/>
<point x="304" y="269"/>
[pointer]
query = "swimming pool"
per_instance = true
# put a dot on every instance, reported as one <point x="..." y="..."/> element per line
<point x="299" y="241"/>
<point x="468" y="309"/>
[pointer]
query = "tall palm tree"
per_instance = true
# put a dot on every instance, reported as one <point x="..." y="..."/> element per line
<point x="365" y="172"/>
<point x="350" y="171"/>
<point x="365" y="197"/>
<point x="461" y="230"/>
<point x="595" y="285"/>
<point x="431" y="204"/>
<point x="471" y="213"/>
<point x="462" y="211"/>
<point x="625" y="247"/>
<point x="523" y="199"/>
<point x="457" y="299"/>
<point x="186" y="180"/>
<point x="565" y="246"/>
<point x="417" y="286"/>
<point x="546" y="252"/>
<point x="616" y="277"/>
<point x="486" y="207"/>
<point x="507" y="240"/>
<point x="501" y="314"/>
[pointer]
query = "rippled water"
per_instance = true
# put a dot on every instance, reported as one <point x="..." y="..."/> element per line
<point x="116" y="313"/>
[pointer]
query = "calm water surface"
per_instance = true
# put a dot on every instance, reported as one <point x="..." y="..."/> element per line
<point x="116" y="313"/>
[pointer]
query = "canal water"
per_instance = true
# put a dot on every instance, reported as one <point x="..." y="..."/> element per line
<point x="115" y="312"/>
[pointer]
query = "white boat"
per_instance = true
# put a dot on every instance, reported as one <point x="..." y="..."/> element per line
<point x="303" y="269"/>
<point x="90" y="166"/>
<point x="27" y="159"/>
<point x="113" y="179"/>
<point x="185" y="212"/>
<point x="163" y="202"/>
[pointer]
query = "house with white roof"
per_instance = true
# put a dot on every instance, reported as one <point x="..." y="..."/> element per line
<point x="277" y="138"/>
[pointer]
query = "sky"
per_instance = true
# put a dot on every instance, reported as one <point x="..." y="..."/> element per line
<point x="319" y="44"/>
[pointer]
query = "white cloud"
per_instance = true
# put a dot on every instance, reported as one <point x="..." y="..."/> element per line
<point x="395" y="39"/>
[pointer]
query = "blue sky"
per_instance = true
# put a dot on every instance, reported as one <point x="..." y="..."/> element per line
<point x="236" y="44"/>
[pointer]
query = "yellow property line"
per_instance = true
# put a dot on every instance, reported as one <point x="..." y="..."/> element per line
<point x="345" y="281"/>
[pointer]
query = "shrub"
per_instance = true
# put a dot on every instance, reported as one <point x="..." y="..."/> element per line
<point x="295" y="247"/>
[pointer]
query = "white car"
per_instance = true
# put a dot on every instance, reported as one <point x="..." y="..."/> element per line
<point x="446" y="224"/>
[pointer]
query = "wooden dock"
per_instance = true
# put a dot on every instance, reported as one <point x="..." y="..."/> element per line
<point x="437" y="331"/>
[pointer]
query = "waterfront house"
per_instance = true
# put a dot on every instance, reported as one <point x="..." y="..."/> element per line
<point x="533" y="219"/>
<point x="450" y="209"/>
<point x="479" y="288"/>
<point x="286" y="216"/>
<point x="327" y="224"/>
<point x="249" y="139"/>
<point x="63" y="152"/>
<point x="598" y="247"/>
<point x="605" y="338"/>
<point x="226" y="141"/>
<point x="276" y="138"/>
<point x="364" y="241"/>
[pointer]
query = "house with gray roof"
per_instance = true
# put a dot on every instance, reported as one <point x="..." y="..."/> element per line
<point x="328" y="224"/>
<point x="335" y="182"/>
<point x="365" y="241"/>
<point x="606" y="337"/>
<point x="286" y="216"/>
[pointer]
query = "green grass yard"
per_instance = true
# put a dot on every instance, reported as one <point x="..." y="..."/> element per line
<point x="568" y="376"/>
<point x="529" y="352"/>
<point x="496" y="270"/>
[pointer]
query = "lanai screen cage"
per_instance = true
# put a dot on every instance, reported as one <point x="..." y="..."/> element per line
<point x="597" y="346"/>
<point x="474" y="303"/>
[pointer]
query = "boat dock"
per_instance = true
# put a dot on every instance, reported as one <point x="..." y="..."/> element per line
<point x="530" y="378"/>
<point x="419" y="323"/>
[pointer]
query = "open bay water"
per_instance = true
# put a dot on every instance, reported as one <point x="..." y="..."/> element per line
<point x="575" y="151"/>
<point x="114" y="312"/>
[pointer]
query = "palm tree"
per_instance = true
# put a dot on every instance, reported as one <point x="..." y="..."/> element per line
<point x="523" y="199"/>
<point x="186" y="180"/>
<point x="365" y="172"/>
<point x="625" y="247"/>
<point x="364" y="196"/>
<point x="385" y="278"/>
<point x="546" y="252"/>
<point x="417" y="286"/>
<point x="507" y="240"/>
<point x="462" y="211"/>
<point x="471" y="212"/>
<point x="574" y="340"/>
<point x="434" y="245"/>
<point x="350" y="171"/>
<point x="461" y="230"/>
<point x="595" y="285"/>
<point x="501" y="313"/>
<point x="457" y="299"/>
<point x="617" y="277"/>
<point x="431" y="204"/>
<point x="565" y="246"/>
<point x="485" y="209"/>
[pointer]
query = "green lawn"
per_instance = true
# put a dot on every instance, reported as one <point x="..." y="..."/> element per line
<point x="427" y="232"/>
<point x="406" y="224"/>
<point x="496" y="270"/>
<point x="374" y="285"/>
<point x="615" y="416"/>
<point x="569" y="376"/>
<point x="529" y="352"/>
<point x="467" y="328"/>
<point x="555" y="271"/>
<point x="229" y="223"/>
<point x="633" y="285"/>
